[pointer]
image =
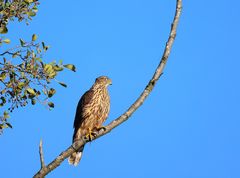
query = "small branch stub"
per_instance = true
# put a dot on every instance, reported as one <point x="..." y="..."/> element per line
<point x="41" y="155"/>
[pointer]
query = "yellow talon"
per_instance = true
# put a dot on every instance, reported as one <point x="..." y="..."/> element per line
<point x="90" y="135"/>
<point x="93" y="132"/>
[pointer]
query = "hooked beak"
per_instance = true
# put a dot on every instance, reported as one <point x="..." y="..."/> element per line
<point x="109" y="82"/>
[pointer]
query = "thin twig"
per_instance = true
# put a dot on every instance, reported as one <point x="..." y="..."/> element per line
<point x="65" y="154"/>
<point x="26" y="45"/>
<point x="41" y="155"/>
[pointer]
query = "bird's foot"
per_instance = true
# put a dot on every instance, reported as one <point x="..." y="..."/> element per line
<point x="101" y="128"/>
<point x="91" y="134"/>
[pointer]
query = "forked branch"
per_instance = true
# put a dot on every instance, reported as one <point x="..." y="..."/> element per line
<point x="125" y="116"/>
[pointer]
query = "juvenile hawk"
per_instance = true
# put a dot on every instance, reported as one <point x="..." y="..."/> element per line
<point x="92" y="110"/>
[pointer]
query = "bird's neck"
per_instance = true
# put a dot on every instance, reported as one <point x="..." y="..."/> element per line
<point x="98" y="87"/>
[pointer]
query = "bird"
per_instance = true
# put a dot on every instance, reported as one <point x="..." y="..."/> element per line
<point x="92" y="110"/>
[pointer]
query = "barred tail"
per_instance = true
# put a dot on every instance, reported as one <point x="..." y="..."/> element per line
<point x="75" y="158"/>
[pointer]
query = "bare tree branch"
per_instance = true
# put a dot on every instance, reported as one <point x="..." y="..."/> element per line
<point x="125" y="116"/>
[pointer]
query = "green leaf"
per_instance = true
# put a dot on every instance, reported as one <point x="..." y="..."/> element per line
<point x="22" y="42"/>
<point x="70" y="67"/>
<point x="3" y="30"/>
<point x="28" y="1"/>
<point x="46" y="48"/>
<point x="51" y="92"/>
<point x="33" y="101"/>
<point x="9" y="125"/>
<point x="51" y="104"/>
<point x="63" y="84"/>
<point x="3" y="76"/>
<point x="31" y="91"/>
<point x="28" y="53"/>
<point x="31" y="13"/>
<point x="21" y="85"/>
<point x="39" y="59"/>
<point x="38" y="93"/>
<point x="43" y="44"/>
<point x="52" y="74"/>
<point x="34" y="37"/>
<point x="3" y="101"/>
<point x="35" y="9"/>
<point x="57" y="68"/>
<point x="3" y="91"/>
<point x="6" y="115"/>
<point x="48" y="68"/>
<point x="6" y="41"/>
<point x="15" y="54"/>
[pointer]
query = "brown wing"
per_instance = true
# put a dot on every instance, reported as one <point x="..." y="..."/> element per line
<point x="85" y="100"/>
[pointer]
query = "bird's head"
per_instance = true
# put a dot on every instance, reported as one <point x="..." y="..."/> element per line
<point x="103" y="80"/>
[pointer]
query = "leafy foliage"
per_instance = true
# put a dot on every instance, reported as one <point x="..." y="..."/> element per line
<point x="24" y="76"/>
<point x="19" y="9"/>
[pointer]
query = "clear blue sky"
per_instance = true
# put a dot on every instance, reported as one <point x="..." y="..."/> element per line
<point x="187" y="128"/>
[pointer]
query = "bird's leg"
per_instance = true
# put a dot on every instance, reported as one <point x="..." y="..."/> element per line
<point x="91" y="134"/>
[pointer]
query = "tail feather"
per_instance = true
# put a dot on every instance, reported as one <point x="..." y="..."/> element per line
<point x="75" y="158"/>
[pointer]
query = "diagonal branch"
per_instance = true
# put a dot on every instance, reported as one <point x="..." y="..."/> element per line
<point x="125" y="116"/>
